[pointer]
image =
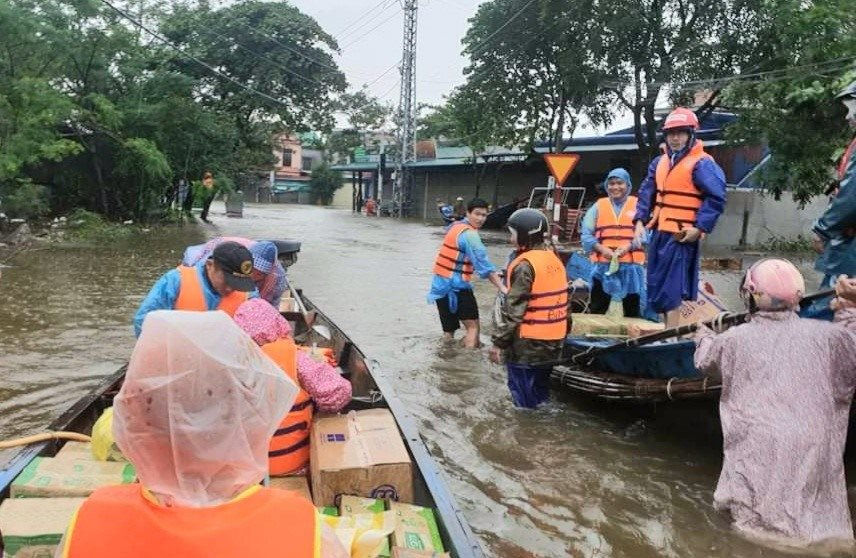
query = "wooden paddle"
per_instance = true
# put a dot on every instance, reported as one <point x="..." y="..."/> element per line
<point x="723" y="320"/>
<point x="309" y="316"/>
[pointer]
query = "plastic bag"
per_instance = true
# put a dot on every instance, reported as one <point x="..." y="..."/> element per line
<point x="104" y="446"/>
<point x="362" y="534"/>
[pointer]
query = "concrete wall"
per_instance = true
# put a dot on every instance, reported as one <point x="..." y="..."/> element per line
<point x="765" y="217"/>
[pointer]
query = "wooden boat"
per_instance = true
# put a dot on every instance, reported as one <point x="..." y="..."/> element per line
<point x="370" y="391"/>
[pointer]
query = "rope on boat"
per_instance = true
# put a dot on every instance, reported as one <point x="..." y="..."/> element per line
<point x="50" y="435"/>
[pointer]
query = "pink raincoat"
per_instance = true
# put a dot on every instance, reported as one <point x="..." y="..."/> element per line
<point x="787" y="384"/>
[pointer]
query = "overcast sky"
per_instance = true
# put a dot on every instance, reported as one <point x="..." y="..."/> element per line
<point x="369" y="33"/>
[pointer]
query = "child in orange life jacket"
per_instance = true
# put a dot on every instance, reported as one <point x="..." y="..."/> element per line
<point x="320" y="385"/>
<point x="608" y="237"/>
<point x="535" y="312"/>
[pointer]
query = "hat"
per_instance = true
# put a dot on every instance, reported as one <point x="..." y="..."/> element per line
<point x="237" y="264"/>
<point x="264" y="255"/>
<point x="459" y="198"/>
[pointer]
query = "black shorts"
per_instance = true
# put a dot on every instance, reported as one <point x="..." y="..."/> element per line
<point x="468" y="309"/>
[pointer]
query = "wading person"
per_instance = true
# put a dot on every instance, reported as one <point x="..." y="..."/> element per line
<point x="535" y="312"/>
<point x="835" y="230"/>
<point x="210" y="192"/>
<point x="460" y="256"/>
<point x="195" y="416"/>
<point x="681" y="197"/>
<point x="268" y="273"/>
<point x="220" y="282"/>
<point x="607" y="234"/>
<point x="787" y="385"/>
<point x="447" y="212"/>
<point x="320" y="385"/>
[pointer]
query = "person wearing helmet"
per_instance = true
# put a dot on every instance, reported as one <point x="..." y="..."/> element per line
<point x="681" y="198"/>
<point x="535" y="311"/>
<point x="462" y="254"/>
<point x="607" y="236"/>
<point x="787" y="385"/>
<point x="459" y="210"/>
<point x="835" y="230"/>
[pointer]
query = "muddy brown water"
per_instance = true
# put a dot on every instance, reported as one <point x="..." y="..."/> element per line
<point x="573" y="478"/>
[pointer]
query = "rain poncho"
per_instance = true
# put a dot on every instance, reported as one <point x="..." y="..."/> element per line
<point x="265" y="260"/>
<point x="629" y="278"/>
<point x="198" y="407"/>
<point x="787" y="384"/>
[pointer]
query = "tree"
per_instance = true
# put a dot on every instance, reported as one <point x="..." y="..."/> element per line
<point x="530" y="75"/>
<point x="790" y="105"/>
<point x="324" y="183"/>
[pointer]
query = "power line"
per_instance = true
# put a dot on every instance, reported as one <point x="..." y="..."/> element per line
<point x="375" y="80"/>
<point x="501" y="27"/>
<point x="191" y="57"/>
<point x="360" y="38"/>
<point x="366" y="13"/>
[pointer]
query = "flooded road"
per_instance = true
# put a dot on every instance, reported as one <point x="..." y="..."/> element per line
<point x="573" y="478"/>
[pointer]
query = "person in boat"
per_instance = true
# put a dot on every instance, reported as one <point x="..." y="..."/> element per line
<point x="268" y="273"/>
<point x="199" y="445"/>
<point x="461" y="254"/>
<point x="320" y="385"/>
<point x="447" y="212"/>
<point x="845" y="288"/>
<point x="784" y="408"/>
<point x="222" y="281"/>
<point x="607" y="235"/>
<point x="460" y="209"/>
<point x="680" y="199"/>
<point x="535" y="312"/>
<point x="835" y="230"/>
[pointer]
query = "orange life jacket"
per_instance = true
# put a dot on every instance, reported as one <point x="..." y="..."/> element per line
<point x="450" y="258"/>
<point x="289" y="447"/>
<point x="122" y="521"/>
<point x="546" y="316"/>
<point x="845" y="159"/>
<point x="678" y="200"/>
<point x="192" y="297"/>
<point x="616" y="231"/>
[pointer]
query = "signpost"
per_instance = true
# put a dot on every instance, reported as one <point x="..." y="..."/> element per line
<point x="561" y="165"/>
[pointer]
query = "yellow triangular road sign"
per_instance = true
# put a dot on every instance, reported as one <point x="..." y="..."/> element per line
<point x="561" y="165"/>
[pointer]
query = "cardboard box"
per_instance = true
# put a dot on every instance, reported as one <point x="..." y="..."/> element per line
<point x="398" y="552"/>
<point x="75" y="450"/>
<point x="706" y="306"/>
<point x="50" y="477"/>
<point x="295" y="483"/>
<point x="644" y="327"/>
<point x="593" y="324"/>
<point x="415" y="528"/>
<point x="360" y="453"/>
<point x="33" y="527"/>
<point x="353" y="505"/>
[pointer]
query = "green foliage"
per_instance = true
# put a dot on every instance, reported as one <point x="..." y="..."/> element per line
<point x="324" y="183"/>
<point x="784" y="245"/>
<point x="23" y="200"/>
<point x="793" y="111"/>
<point x="106" y="117"/>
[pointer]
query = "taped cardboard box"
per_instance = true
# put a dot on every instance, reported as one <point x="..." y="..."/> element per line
<point x="75" y="450"/>
<point x="33" y="527"/>
<point x="48" y="477"/>
<point x="415" y="528"/>
<point x="360" y="453"/>
<point x="594" y="324"/>
<point x="398" y="552"/>
<point x="354" y="505"/>
<point x="295" y="483"/>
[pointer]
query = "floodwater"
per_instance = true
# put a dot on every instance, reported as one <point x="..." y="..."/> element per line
<point x="574" y="478"/>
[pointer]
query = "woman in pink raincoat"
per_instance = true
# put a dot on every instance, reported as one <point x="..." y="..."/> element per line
<point x="787" y="385"/>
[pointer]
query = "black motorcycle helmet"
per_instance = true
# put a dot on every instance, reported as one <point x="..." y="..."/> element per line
<point x="530" y="226"/>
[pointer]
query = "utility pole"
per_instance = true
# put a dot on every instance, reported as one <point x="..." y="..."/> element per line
<point x="407" y="107"/>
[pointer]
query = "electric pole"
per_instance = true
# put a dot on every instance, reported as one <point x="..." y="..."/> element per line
<point x="407" y="107"/>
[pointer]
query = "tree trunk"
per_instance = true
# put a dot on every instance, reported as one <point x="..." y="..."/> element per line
<point x="559" y="142"/>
